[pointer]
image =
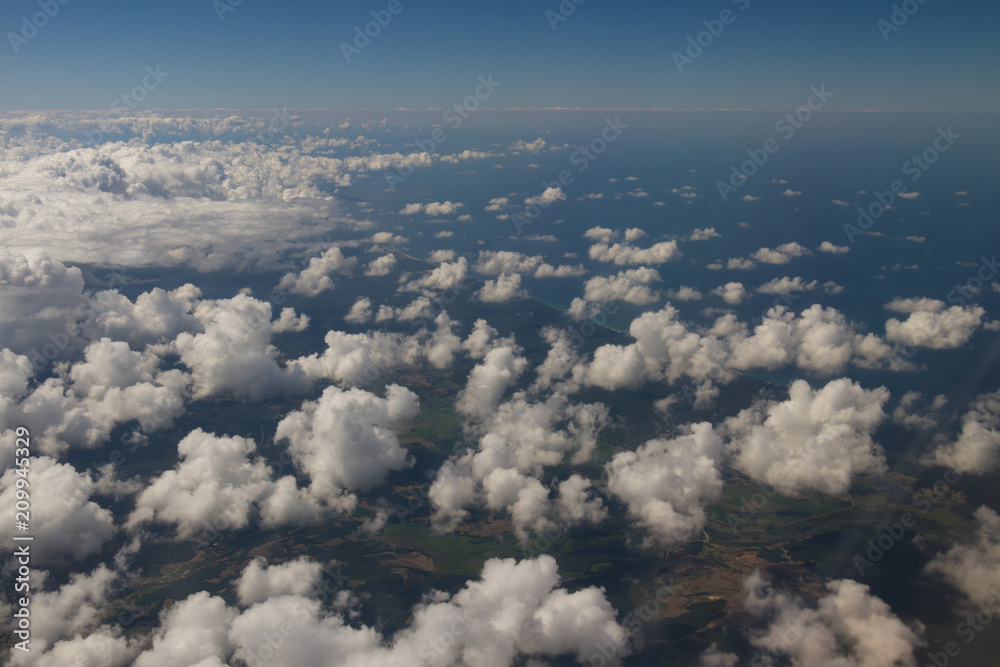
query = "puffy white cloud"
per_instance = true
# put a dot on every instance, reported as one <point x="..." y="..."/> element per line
<point x="685" y="293"/>
<point x="936" y="329"/>
<point x="447" y="276"/>
<point x="782" y="255"/>
<point x="631" y="286"/>
<point x="625" y="253"/>
<point x="732" y="293"/>
<point x="66" y="524"/>
<point x="488" y="381"/>
<point x="259" y="581"/>
<point x="973" y="567"/>
<point x="850" y="627"/>
<point x="667" y="483"/>
<point x="601" y="234"/>
<point x="976" y="450"/>
<point x="507" y="287"/>
<point x="498" y="262"/>
<point x="195" y="631"/>
<point x="216" y="485"/>
<point x="381" y="266"/>
<point x="634" y="234"/>
<point x="315" y="278"/>
<point x="705" y="234"/>
<point x="817" y="440"/>
<point x="529" y="146"/>
<point x="787" y="285"/>
<point x="434" y="209"/>
<point x="915" y="305"/>
<point x="514" y="610"/>
<point x="833" y="249"/>
<point x="345" y="441"/>
<point x="498" y="203"/>
<point x="360" y="312"/>
<point x="388" y="238"/>
<point x="442" y="256"/>
<point x="234" y="354"/>
<point x="741" y="264"/>
<point x="548" y="197"/>
<point x="561" y="271"/>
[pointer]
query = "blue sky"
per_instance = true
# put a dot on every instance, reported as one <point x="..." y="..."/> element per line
<point x="288" y="54"/>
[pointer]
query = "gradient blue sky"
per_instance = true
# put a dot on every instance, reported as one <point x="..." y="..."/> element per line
<point x="608" y="54"/>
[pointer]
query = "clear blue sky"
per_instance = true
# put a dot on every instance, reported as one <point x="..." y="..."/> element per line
<point x="268" y="53"/>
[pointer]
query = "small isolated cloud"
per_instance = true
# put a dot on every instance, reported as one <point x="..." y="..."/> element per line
<point x="833" y="249"/>
<point x="976" y="449"/>
<point x="498" y="204"/>
<point x="787" y="285"/>
<point x="535" y="146"/>
<point x="550" y="196"/>
<point x="841" y="202"/>
<point x="441" y="256"/>
<point x="916" y="239"/>
<point x="741" y="264"/>
<point x="791" y="193"/>
<point x="704" y="234"/>
<point x="685" y="293"/>
<point x="381" y="266"/>
<point x="782" y="255"/>
<point x="749" y="198"/>
<point x="973" y="566"/>
<point x="936" y="329"/>
<point x="626" y="253"/>
<point x="434" y="209"/>
<point x="909" y="195"/>
<point x="732" y="293"/>
<point x="507" y="287"/>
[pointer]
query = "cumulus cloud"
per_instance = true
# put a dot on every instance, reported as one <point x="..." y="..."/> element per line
<point x="381" y="266"/>
<point x="215" y="486"/>
<point x="849" y="627"/>
<point x="315" y="278"/>
<point x="732" y="293"/>
<point x="498" y="262"/>
<point x="441" y="256"/>
<point x="787" y="285"/>
<point x="667" y="483"/>
<point x="834" y="249"/>
<point x="433" y="209"/>
<point x="782" y="255"/>
<point x="973" y="567"/>
<point x="704" y="234"/>
<point x="345" y="441"/>
<point x="506" y="288"/>
<point x="685" y="293"/>
<point x="446" y="276"/>
<point x="514" y="610"/>
<point x="936" y="329"/>
<point x="741" y="264"/>
<point x="562" y="271"/>
<point x="817" y="440"/>
<point x="915" y="305"/>
<point x="631" y="286"/>
<point x="548" y="197"/>
<point x="259" y="581"/>
<point x="66" y="524"/>
<point x="626" y="253"/>
<point x="976" y="449"/>
<point x="360" y="312"/>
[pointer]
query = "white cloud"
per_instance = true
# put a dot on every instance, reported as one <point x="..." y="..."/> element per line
<point x="360" y="312"/>
<point x="506" y="288"/>
<point x="973" y="566"/>
<point x="381" y="266"/>
<point x="936" y="329"/>
<point x="446" y="276"/>
<point x="817" y="440"/>
<point x="684" y="293"/>
<point x="705" y="234"/>
<point x="624" y="253"/>
<point x="850" y="627"/>
<point x="667" y="483"/>
<point x="976" y="450"/>
<point x="791" y="193"/>
<point x="833" y="249"/>
<point x="915" y="305"/>
<point x="441" y="256"/>
<point x="631" y="286"/>
<point x="315" y="279"/>
<point x="345" y="440"/>
<point x="498" y="262"/>
<point x="66" y="524"/>
<point x="787" y="285"/>
<point x="548" y="197"/>
<point x="732" y="293"/>
<point x="259" y="582"/>
<point x="782" y="255"/>
<point x="561" y="271"/>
